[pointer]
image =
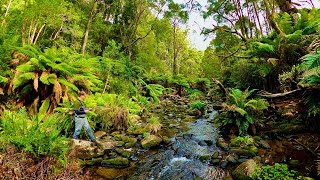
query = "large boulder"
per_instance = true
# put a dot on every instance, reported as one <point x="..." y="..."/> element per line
<point x="89" y="150"/>
<point x="245" y="170"/>
<point x="150" y="141"/>
<point x="86" y="149"/>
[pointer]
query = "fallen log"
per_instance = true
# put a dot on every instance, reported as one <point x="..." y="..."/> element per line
<point x="225" y="91"/>
<point x="270" y="95"/>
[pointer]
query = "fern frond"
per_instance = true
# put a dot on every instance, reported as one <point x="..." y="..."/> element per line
<point x="312" y="72"/>
<point x="37" y="63"/>
<point x="44" y="77"/>
<point x="310" y="61"/>
<point x="43" y="109"/>
<point x="260" y="49"/>
<point x="63" y="68"/>
<point x="52" y="78"/>
<point x="22" y="79"/>
<point x="63" y="81"/>
<point x="294" y="37"/>
<point x="240" y="110"/>
<point x="285" y="23"/>
<point x="3" y="79"/>
<point x="24" y="68"/>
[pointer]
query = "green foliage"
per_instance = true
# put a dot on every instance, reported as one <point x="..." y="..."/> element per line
<point x="240" y="111"/>
<point x="194" y="94"/>
<point x="180" y="80"/>
<point x="38" y="135"/>
<point x="262" y="49"/>
<point x="278" y="171"/>
<point x="249" y="74"/>
<point x="199" y="105"/>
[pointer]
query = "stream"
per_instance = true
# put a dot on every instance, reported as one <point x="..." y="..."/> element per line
<point x="180" y="159"/>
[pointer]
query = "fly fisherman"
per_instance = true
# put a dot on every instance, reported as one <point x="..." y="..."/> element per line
<point x="80" y="117"/>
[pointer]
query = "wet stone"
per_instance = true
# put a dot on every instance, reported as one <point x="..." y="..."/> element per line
<point x="215" y="161"/>
<point x="215" y="155"/>
<point x="232" y="159"/>
<point x="224" y="164"/>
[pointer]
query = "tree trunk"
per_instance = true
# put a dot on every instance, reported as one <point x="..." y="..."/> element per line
<point x="270" y="18"/>
<point x="175" y="50"/>
<point x="86" y="34"/>
<point x="257" y="16"/>
<point x="38" y="34"/>
<point x="7" y="12"/>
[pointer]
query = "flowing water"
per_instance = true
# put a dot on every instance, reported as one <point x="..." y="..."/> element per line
<point x="180" y="159"/>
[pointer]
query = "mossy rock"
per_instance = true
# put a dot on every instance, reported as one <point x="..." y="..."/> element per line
<point x="123" y="153"/>
<point x="245" y="170"/>
<point x="115" y="133"/>
<point x="92" y="161"/>
<point x="263" y="144"/>
<point x="243" y="152"/>
<point x="137" y="131"/>
<point x="131" y="142"/>
<point x="125" y="138"/>
<point x="205" y="157"/>
<point x="215" y="155"/>
<point x="121" y="143"/>
<point x="150" y="141"/>
<point x="112" y="173"/>
<point x="166" y="139"/>
<point x="222" y="144"/>
<point x="215" y="161"/>
<point x="117" y="162"/>
<point x="252" y="148"/>
<point x="232" y="158"/>
<point x="117" y="137"/>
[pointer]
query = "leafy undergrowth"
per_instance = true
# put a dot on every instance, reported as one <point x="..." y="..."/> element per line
<point x="15" y="164"/>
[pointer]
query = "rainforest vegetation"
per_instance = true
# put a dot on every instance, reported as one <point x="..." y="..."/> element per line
<point x="261" y="73"/>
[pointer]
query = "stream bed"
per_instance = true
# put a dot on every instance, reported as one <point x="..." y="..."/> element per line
<point x="180" y="159"/>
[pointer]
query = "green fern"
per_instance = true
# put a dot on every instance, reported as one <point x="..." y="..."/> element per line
<point x="33" y="135"/>
<point x="286" y="23"/>
<point x="241" y="111"/>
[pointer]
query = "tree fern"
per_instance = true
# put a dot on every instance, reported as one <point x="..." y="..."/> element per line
<point x="53" y="74"/>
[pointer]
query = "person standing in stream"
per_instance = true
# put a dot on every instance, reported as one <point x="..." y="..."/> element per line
<point x="80" y="117"/>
